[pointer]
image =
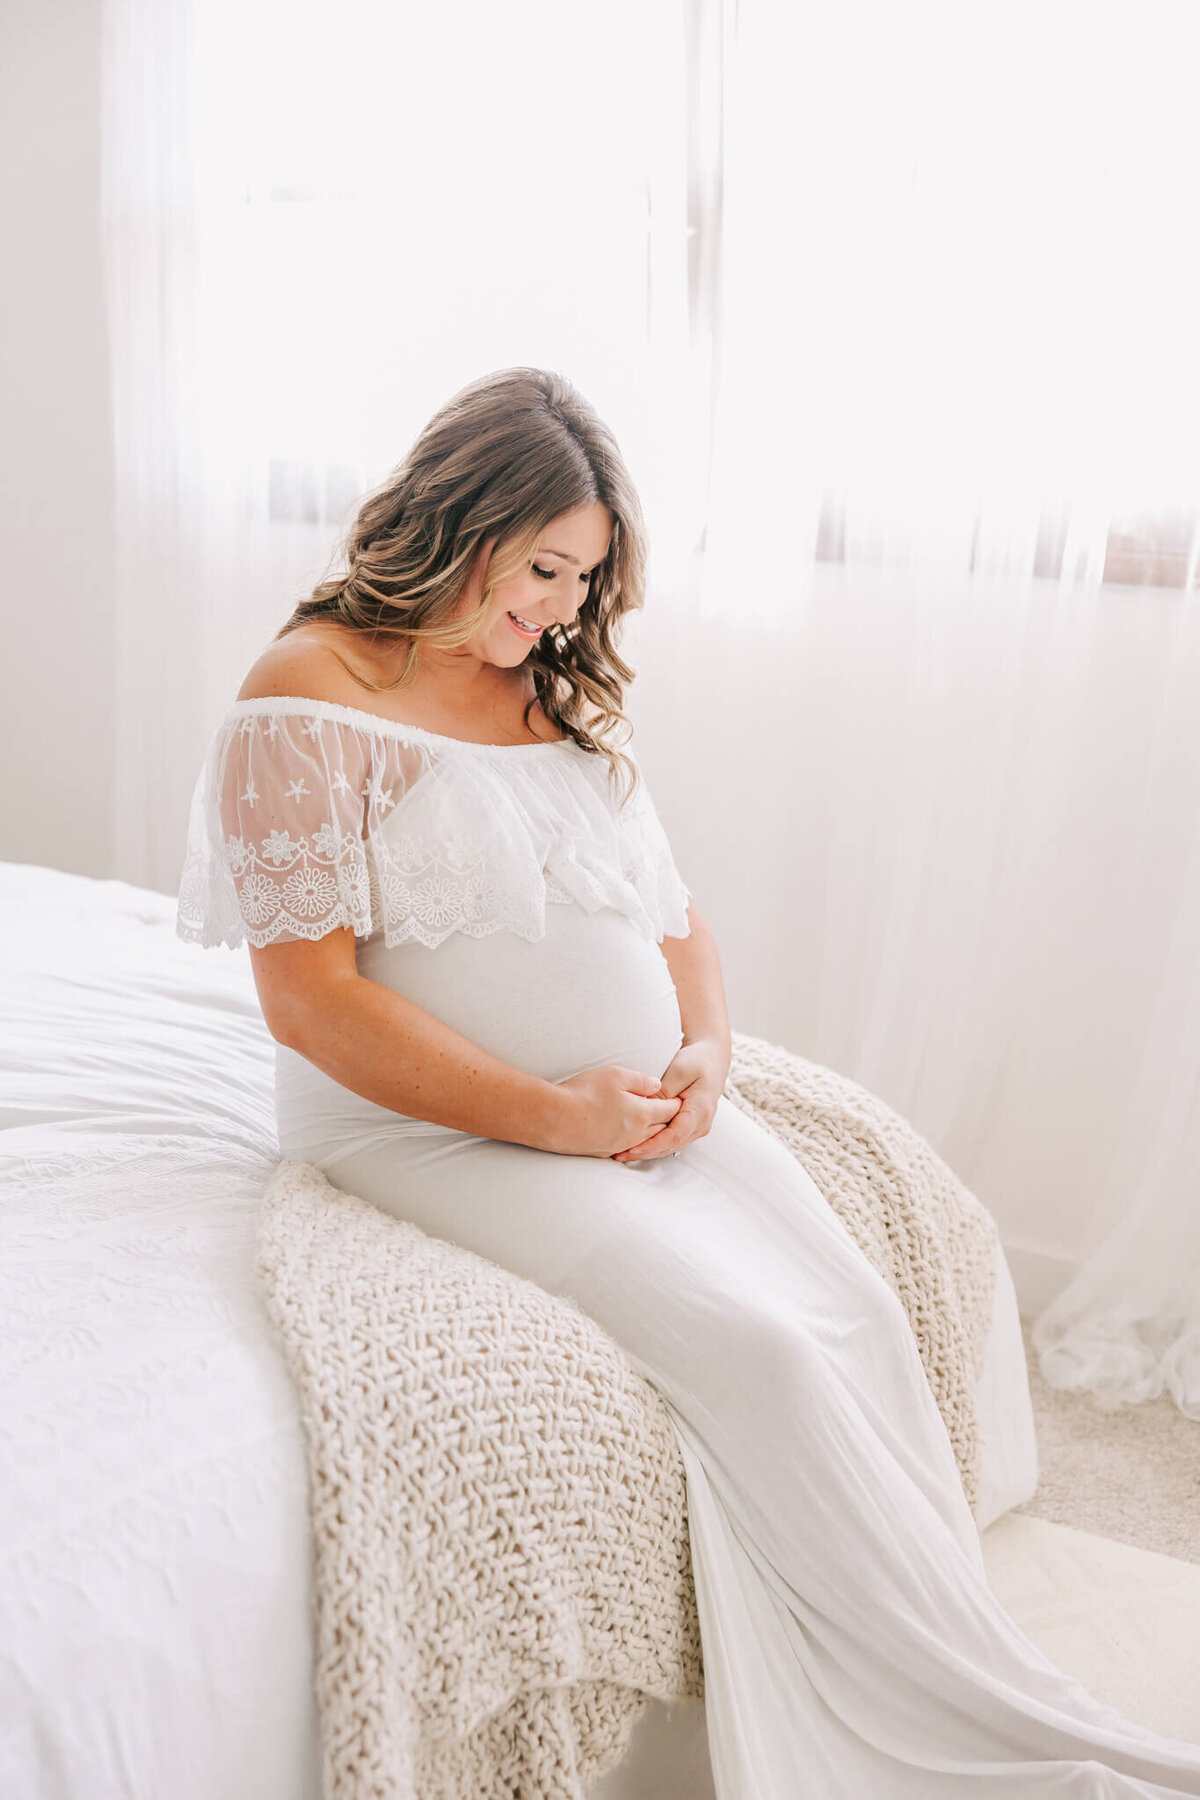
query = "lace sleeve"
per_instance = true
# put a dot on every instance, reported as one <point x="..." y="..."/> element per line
<point x="306" y="820"/>
<point x="276" y="847"/>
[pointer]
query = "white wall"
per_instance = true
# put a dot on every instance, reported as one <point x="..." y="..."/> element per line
<point x="56" y="504"/>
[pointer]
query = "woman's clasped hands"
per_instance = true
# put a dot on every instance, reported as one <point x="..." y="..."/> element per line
<point x="629" y="1116"/>
<point x="695" y="1076"/>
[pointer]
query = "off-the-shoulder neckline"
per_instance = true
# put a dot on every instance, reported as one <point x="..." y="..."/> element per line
<point x="376" y="722"/>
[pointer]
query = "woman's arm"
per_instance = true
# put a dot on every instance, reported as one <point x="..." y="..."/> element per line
<point x="697" y="1073"/>
<point x="696" y="971"/>
<point x="381" y="1045"/>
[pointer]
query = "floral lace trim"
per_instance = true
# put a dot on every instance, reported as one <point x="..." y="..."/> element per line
<point x="305" y="887"/>
<point x="475" y="877"/>
<point x="327" y="884"/>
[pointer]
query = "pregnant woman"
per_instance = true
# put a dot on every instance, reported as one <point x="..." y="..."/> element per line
<point x="500" y="1015"/>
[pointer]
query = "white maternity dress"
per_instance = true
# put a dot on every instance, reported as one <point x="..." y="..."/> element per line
<point x="853" y="1649"/>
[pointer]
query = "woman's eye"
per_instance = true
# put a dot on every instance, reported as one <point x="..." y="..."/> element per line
<point x="546" y="574"/>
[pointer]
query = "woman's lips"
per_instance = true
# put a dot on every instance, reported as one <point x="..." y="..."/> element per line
<point x="520" y="629"/>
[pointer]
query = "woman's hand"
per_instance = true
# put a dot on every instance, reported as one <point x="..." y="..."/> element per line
<point x="696" y="1074"/>
<point x="602" y="1110"/>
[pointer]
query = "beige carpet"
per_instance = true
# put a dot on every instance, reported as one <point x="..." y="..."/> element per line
<point x="1123" y="1621"/>
<point x="1132" y="1474"/>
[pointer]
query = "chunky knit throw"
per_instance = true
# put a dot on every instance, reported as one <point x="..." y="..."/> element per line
<point x="498" y="1501"/>
<point x="927" y="1234"/>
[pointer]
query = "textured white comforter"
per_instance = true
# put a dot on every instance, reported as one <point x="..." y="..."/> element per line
<point x="154" y="1562"/>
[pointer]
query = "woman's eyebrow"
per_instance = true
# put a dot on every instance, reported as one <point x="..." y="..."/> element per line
<point x="561" y="553"/>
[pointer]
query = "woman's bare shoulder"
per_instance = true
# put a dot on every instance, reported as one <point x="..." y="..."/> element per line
<point x="303" y="666"/>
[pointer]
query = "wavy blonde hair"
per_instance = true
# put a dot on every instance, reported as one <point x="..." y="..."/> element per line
<point x="509" y="453"/>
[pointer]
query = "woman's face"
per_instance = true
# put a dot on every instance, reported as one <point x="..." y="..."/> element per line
<point x="549" y="590"/>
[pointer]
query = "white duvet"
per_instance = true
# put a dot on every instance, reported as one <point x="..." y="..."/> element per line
<point x="154" y="1569"/>
<point x="155" y="1583"/>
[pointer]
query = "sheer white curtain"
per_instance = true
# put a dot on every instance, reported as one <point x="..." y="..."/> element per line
<point x="891" y="310"/>
<point x="956" y="483"/>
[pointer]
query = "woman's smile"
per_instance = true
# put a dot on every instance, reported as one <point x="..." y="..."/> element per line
<point x="558" y="574"/>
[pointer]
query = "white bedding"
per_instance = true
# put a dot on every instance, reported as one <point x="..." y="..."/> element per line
<point x="155" y="1586"/>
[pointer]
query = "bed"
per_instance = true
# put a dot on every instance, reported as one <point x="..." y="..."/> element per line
<point x="156" y="1597"/>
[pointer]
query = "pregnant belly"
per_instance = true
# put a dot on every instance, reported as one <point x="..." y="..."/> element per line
<point x="592" y="991"/>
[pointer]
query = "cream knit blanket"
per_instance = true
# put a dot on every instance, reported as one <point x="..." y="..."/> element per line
<point x="498" y="1502"/>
